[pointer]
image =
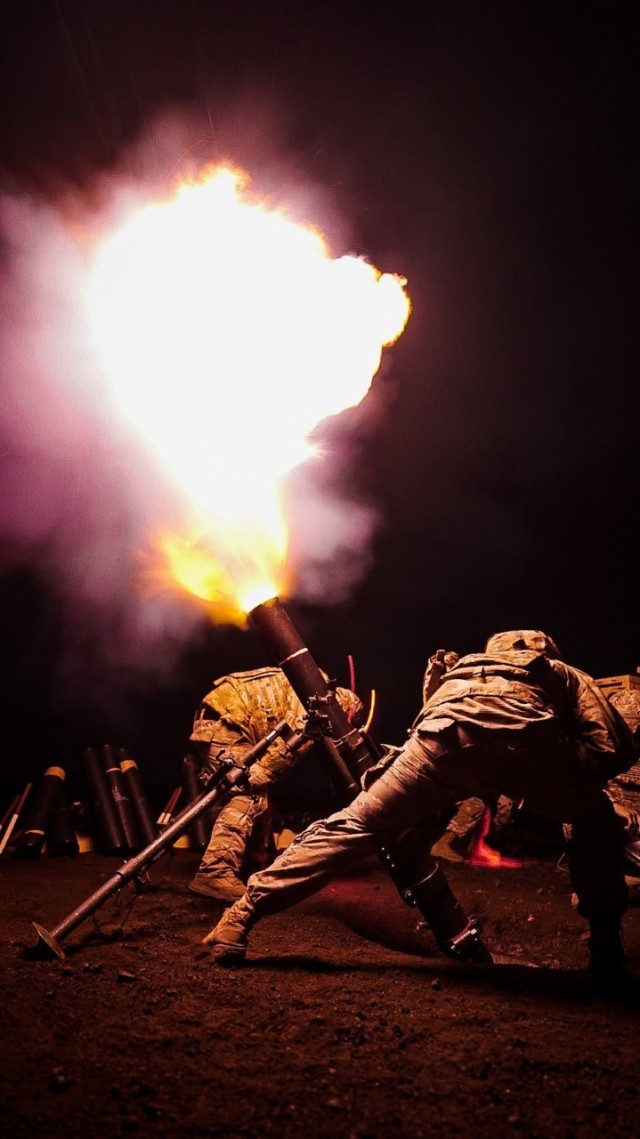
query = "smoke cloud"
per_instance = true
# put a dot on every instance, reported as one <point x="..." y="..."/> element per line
<point x="80" y="496"/>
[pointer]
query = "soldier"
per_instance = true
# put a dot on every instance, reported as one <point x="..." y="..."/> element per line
<point x="239" y="711"/>
<point x="514" y="720"/>
<point x="624" y="790"/>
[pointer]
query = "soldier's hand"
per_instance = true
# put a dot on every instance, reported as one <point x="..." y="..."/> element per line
<point x="258" y="779"/>
<point x="629" y="816"/>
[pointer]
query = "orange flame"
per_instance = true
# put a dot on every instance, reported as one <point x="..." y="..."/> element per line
<point x="228" y="332"/>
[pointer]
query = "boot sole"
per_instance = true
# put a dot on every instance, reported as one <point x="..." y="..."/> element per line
<point x="213" y="894"/>
<point x="224" y="954"/>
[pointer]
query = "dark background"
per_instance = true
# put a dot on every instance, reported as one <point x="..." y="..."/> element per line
<point x="486" y="152"/>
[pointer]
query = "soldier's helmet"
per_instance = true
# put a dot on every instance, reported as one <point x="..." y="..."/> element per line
<point x="523" y="640"/>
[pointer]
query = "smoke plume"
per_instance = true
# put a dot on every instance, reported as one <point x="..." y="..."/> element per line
<point x="80" y="495"/>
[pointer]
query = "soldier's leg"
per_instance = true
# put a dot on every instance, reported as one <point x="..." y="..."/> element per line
<point x="504" y="812"/>
<point x="595" y="854"/>
<point x="218" y="875"/>
<point x="407" y="793"/>
<point x="459" y="830"/>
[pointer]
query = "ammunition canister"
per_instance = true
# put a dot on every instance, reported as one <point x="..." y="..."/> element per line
<point x="117" y="785"/>
<point x="191" y="789"/>
<point x="137" y="796"/>
<point x="106" y="818"/>
<point x="45" y="801"/>
<point x="60" y="831"/>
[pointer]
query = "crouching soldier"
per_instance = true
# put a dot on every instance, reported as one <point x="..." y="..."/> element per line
<point x="240" y="709"/>
<point x="512" y="720"/>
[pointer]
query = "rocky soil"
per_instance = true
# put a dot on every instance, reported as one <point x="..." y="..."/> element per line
<point x="344" y="1022"/>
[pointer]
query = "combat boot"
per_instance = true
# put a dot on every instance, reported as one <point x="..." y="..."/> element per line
<point x="610" y="971"/>
<point x="444" y="848"/>
<point x="229" y="938"/>
<point x="221" y="887"/>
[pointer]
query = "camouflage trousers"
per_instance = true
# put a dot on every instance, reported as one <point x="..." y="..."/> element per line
<point x="430" y="774"/>
<point x="231" y="834"/>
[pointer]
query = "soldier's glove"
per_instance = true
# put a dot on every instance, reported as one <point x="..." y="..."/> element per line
<point x="629" y="817"/>
<point x="258" y="780"/>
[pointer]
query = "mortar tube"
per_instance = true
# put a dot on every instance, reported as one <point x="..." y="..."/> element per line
<point x="293" y="657"/>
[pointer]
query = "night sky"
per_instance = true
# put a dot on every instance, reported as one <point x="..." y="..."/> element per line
<point x="485" y="151"/>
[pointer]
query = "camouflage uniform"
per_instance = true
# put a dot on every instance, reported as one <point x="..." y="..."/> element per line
<point x="240" y="709"/>
<point x="623" y="692"/>
<point x="509" y="720"/>
<point x="456" y="839"/>
<point x="624" y="791"/>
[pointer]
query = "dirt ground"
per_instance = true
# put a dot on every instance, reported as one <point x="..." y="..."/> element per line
<point x="344" y="1022"/>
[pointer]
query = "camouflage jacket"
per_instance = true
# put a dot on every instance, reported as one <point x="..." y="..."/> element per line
<point x="512" y="690"/>
<point x="242" y="707"/>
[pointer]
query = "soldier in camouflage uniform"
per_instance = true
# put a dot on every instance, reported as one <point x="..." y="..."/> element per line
<point x="624" y="791"/>
<point x="240" y="709"/>
<point x="514" y="720"/>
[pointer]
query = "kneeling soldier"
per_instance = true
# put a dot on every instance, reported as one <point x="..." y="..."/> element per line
<point x="240" y="709"/>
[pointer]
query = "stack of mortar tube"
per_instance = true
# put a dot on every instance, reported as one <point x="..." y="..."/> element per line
<point x="227" y="776"/>
<point x="120" y="808"/>
<point x="416" y="874"/>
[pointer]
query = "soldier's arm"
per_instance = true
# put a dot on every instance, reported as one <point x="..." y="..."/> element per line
<point x="437" y="667"/>
<point x="594" y="723"/>
<point x="275" y="765"/>
<point x="221" y="725"/>
<point x="278" y="761"/>
<point x="212" y="738"/>
<point x="623" y="808"/>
